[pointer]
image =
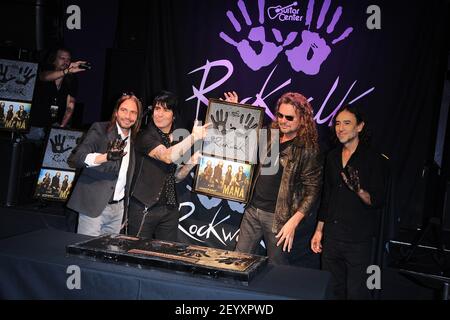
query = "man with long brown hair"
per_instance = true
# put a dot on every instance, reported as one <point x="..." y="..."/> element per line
<point x="106" y="155"/>
<point x="280" y="201"/>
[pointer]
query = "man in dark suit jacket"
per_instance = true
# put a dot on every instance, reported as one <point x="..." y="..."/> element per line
<point x="107" y="158"/>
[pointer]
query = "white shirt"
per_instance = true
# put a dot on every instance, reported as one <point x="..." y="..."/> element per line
<point x="119" y="191"/>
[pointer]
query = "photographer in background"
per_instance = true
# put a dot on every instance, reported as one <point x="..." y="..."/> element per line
<point x="56" y="90"/>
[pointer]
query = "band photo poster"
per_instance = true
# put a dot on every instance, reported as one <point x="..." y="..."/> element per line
<point x="54" y="184"/>
<point x="14" y="115"/>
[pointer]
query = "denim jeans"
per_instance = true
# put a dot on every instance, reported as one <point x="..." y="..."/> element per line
<point x="256" y="225"/>
<point x="109" y="221"/>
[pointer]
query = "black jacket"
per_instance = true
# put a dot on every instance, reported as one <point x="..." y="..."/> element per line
<point x="301" y="181"/>
<point x="95" y="186"/>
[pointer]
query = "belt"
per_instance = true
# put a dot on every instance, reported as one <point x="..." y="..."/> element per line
<point x="115" y="201"/>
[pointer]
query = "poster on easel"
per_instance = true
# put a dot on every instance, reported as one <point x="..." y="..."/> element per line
<point x="54" y="185"/>
<point x="60" y="143"/>
<point x="56" y="178"/>
<point x="17" y="82"/>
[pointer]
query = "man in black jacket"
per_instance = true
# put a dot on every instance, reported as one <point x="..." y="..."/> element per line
<point x="107" y="158"/>
<point x="354" y="187"/>
<point x="154" y="205"/>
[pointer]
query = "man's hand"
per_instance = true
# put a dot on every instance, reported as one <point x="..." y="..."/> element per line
<point x="74" y="67"/>
<point x="351" y="179"/>
<point x="116" y="149"/>
<point x="316" y="242"/>
<point x="287" y="232"/>
<point x="200" y="132"/>
<point x="231" y="96"/>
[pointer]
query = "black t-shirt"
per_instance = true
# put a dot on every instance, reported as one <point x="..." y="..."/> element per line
<point x="46" y="95"/>
<point x="267" y="186"/>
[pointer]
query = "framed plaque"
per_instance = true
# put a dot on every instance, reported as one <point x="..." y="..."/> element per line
<point x="229" y="151"/>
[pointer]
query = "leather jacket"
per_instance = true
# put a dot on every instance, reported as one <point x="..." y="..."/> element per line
<point x="301" y="182"/>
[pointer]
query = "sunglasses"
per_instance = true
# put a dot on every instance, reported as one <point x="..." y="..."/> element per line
<point x="281" y="116"/>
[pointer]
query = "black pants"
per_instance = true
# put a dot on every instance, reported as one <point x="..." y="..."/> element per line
<point x="159" y="222"/>
<point x="348" y="262"/>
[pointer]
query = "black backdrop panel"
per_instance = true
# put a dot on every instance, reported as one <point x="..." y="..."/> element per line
<point x="18" y="171"/>
<point x="124" y="72"/>
<point x="29" y="24"/>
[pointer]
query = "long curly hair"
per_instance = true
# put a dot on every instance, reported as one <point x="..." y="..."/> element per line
<point x="137" y="125"/>
<point x="308" y="130"/>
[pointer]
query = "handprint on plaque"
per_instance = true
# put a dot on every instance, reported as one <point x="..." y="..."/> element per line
<point x="314" y="50"/>
<point x="58" y="144"/>
<point x="219" y="122"/>
<point x="257" y="35"/>
<point x="246" y="126"/>
<point x="4" y="74"/>
<point x="26" y="75"/>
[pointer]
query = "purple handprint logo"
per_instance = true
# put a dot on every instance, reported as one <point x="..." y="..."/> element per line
<point x="307" y="57"/>
<point x="314" y="50"/>
<point x="257" y="34"/>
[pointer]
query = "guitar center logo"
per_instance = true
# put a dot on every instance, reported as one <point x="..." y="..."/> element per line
<point x="287" y="13"/>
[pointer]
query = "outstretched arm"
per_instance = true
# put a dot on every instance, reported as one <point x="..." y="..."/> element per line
<point x="52" y="75"/>
<point x="175" y="152"/>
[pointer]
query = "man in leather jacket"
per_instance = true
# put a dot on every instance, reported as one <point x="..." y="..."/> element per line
<point x="281" y="200"/>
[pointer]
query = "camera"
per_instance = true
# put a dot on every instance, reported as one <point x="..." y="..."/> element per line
<point x="85" y="65"/>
